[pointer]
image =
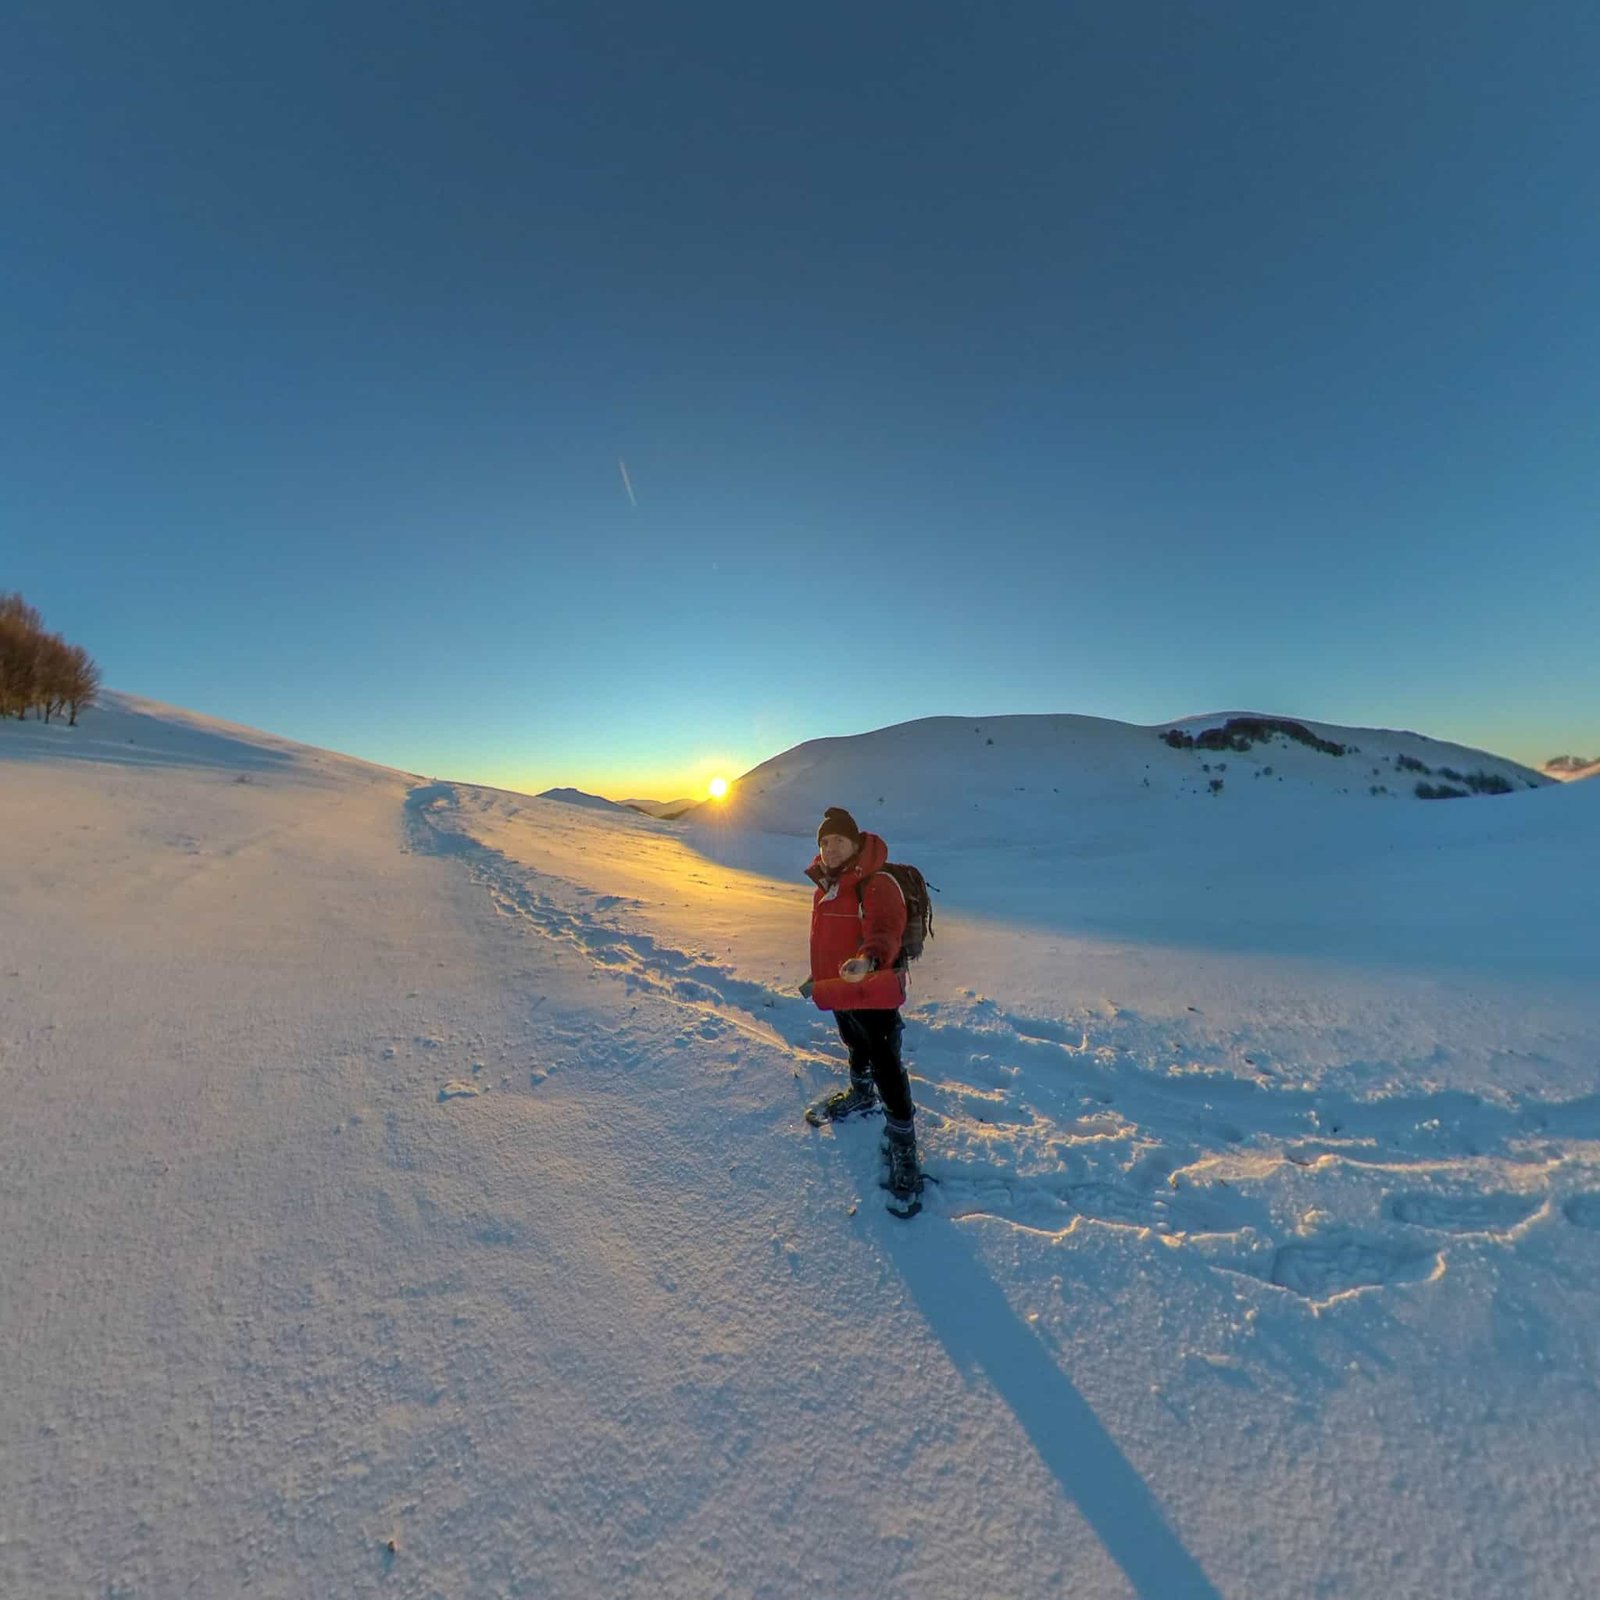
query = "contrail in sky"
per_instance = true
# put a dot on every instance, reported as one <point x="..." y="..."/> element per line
<point x="626" y="483"/>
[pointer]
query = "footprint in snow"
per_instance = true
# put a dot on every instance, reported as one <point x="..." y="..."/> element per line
<point x="1039" y="1202"/>
<point x="1466" y="1213"/>
<point x="1324" y="1270"/>
<point x="1046" y="1031"/>
<point x="1583" y="1210"/>
<point x="1165" y="1211"/>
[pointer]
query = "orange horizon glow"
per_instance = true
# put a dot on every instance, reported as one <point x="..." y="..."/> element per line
<point x="689" y="786"/>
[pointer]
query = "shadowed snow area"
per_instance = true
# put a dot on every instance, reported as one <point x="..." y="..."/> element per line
<point x="407" y="1193"/>
<point x="132" y="732"/>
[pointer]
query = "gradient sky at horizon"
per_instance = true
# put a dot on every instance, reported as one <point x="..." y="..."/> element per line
<point x="1134" y="360"/>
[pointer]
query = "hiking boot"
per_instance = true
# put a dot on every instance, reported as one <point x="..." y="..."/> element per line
<point x="904" y="1179"/>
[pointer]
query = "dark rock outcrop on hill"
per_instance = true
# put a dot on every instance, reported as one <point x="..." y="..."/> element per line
<point x="1569" y="767"/>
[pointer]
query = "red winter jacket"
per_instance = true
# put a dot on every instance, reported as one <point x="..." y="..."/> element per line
<point x="859" y="913"/>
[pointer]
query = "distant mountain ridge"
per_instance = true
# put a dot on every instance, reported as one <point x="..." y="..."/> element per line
<point x="1566" y="769"/>
<point x="660" y="808"/>
<point x="578" y="797"/>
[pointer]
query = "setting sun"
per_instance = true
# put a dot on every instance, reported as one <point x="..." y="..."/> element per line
<point x="717" y="788"/>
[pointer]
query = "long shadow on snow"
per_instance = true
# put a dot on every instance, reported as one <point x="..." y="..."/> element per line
<point x="965" y="1308"/>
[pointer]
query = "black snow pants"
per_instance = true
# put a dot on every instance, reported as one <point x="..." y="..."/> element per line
<point x="873" y="1040"/>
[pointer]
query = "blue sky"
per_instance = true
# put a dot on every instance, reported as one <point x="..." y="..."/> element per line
<point x="1136" y="360"/>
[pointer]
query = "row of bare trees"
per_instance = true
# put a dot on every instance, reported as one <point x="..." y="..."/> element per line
<point x="40" y="672"/>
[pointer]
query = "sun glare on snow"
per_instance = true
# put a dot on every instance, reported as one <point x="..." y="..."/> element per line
<point x="717" y="788"/>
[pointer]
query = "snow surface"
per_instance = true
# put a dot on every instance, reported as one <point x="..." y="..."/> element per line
<point x="406" y="1193"/>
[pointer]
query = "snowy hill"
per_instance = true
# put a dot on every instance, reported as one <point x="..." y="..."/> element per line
<point x="1020" y="776"/>
<point x="1081" y="823"/>
<point x="406" y="1190"/>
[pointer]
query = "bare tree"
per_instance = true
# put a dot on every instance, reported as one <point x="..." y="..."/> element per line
<point x="20" y="630"/>
<point x="82" y="686"/>
<point x="13" y="608"/>
<point x="52" y="666"/>
<point x="41" y="671"/>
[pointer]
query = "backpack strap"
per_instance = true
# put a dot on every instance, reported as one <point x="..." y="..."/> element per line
<point x="861" y="888"/>
<point x="901" y="963"/>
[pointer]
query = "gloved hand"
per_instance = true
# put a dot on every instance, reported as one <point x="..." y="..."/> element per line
<point x="805" y="989"/>
<point x="857" y="967"/>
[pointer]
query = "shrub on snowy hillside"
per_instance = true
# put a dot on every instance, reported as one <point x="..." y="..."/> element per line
<point x="1476" y="782"/>
<point x="39" y="671"/>
<point x="1239" y="733"/>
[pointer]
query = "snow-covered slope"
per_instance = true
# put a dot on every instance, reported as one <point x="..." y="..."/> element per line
<point x="405" y="1190"/>
<point x="129" y="731"/>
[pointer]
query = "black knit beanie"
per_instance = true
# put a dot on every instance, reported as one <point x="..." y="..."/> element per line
<point x="839" y="821"/>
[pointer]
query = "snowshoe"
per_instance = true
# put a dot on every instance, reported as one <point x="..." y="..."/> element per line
<point x="860" y="1099"/>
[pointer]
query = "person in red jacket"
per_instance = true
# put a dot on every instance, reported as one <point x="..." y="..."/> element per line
<point x="858" y="918"/>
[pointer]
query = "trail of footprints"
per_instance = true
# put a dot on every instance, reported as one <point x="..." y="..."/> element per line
<point x="1087" y="1135"/>
<point x="1033" y="1147"/>
<point x="1173" y="1127"/>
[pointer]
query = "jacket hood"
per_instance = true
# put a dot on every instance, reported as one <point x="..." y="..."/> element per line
<point x="867" y="860"/>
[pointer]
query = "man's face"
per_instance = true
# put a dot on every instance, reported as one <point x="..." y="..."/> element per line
<point x="835" y="850"/>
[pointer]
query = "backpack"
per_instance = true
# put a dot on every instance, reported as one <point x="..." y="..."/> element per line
<point x="919" y="909"/>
